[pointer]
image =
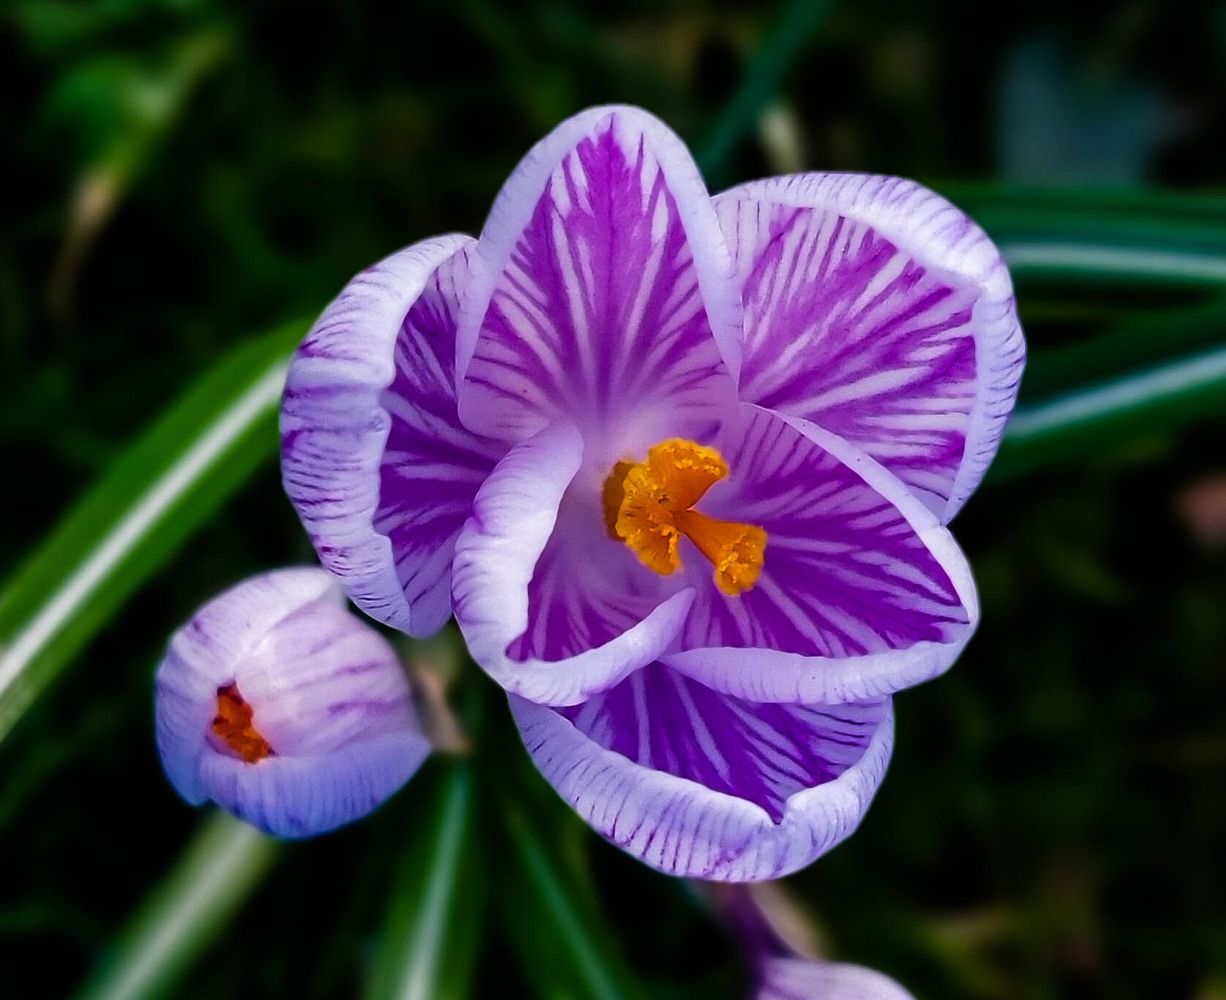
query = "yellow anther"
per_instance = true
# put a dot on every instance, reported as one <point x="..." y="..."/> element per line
<point x="234" y="724"/>
<point x="650" y="505"/>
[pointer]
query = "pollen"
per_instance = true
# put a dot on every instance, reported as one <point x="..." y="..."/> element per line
<point x="235" y="726"/>
<point x="650" y="506"/>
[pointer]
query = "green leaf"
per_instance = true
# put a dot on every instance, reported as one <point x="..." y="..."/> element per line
<point x="550" y="909"/>
<point x="161" y="489"/>
<point x="433" y="923"/>
<point x="1113" y="259"/>
<point x="767" y="71"/>
<point x="554" y="925"/>
<point x="1148" y="339"/>
<point x="121" y="109"/>
<point x="1044" y="204"/>
<point x="1086" y="420"/>
<point x="182" y="916"/>
<point x="1089" y="239"/>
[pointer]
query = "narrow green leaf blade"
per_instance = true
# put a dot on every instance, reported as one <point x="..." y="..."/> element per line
<point x="558" y="933"/>
<point x="1161" y="241"/>
<point x="433" y="923"/>
<point x="1103" y="261"/>
<point x="160" y="490"/>
<point x="182" y="916"/>
<point x="549" y="906"/>
<point x="1140" y="341"/>
<point x="765" y="74"/>
<point x="1039" y="205"/>
<point x="1079" y="423"/>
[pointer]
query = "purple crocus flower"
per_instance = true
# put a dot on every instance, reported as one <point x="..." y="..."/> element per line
<point x="284" y="708"/>
<point x="680" y="467"/>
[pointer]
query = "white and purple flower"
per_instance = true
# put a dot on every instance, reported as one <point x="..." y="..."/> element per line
<point x="680" y="467"/>
<point x="284" y="708"/>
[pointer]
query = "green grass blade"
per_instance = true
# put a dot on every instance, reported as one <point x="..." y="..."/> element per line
<point x="1097" y="262"/>
<point x="1132" y="344"/>
<point x="432" y="927"/>
<point x="554" y="926"/>
<point x="548" y="904"/>
<point x="159" y="491"/>
<point x="767" y="70"/>
<point x="1081" y="422"/>
<point x="1044" y="204"/>
<point x="181" y="918"/>
<point x="1085" y="239"/>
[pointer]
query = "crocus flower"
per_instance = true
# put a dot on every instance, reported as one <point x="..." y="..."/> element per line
<point x="284" y="708"/>
<point x="679" y="466"/>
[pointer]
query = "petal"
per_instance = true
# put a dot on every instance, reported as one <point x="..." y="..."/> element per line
<point x="603" y="289"/>
<point x="326" y="692"/>
<point x="321" y="680"/>
<point x="703" y="785"/>
<point x="862" y="592"/>
<point x="295" y="797"/>
<point x="808" y="979"/>
<point x="373" y="454"/>
<point x="545" y="618"/>
<point x="878" y="310"/>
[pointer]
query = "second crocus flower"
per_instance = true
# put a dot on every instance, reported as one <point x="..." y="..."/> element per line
<point x="278" y="704"/>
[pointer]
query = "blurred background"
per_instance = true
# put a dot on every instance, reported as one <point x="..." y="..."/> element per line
<point x="190" y="181"/>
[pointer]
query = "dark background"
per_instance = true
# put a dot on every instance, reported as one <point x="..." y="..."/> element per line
<point x="185" y="174"/>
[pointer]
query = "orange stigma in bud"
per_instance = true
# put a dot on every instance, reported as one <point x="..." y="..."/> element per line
<point x="650" y="505"/>
<point x="233" y="723"/>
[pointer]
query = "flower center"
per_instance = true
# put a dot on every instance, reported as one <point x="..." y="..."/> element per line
<point x="233" y="723"/>
<point x="650" y="505"/>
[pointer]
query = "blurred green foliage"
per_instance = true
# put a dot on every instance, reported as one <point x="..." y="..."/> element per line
<point x="190" y="173"/>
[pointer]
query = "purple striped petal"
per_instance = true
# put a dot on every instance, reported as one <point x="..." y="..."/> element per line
<point x="373" y="454"/>
<point x="550" y="607"/>
<point x="809" y="979"/>
<point x="701" y="784"/>
<point x="862" y="592"/>
<point x="878" y="310"/>
<point x="603" y="294"/>
<point x="325" y="691"/>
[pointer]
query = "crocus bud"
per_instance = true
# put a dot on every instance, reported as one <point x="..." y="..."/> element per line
<point x="809" y="979"/>
<point x="284" y="708"/>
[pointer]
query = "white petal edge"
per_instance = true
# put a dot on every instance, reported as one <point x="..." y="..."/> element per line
<point x="942" y="237"/>
<point x="517" y="200"/>
<point x="513" y="516"/>
<point x="336" y="491"/>
<point x="769" y="675"/>
<point x="683" y="828"/>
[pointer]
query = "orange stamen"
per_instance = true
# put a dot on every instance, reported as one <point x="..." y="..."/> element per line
<point x="234" y="724"/>
<point x="650" y="505"/>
